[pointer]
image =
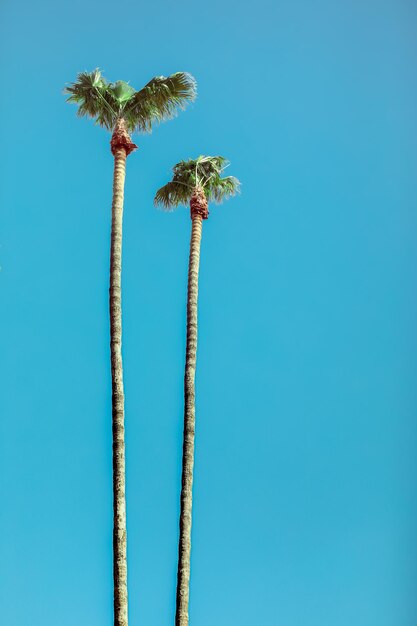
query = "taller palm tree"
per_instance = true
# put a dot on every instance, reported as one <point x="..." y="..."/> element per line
<point x="122" y="110"/>
<point x="196" y="181"/>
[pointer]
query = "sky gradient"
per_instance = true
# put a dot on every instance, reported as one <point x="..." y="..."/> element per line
<point x="305" y="476"/>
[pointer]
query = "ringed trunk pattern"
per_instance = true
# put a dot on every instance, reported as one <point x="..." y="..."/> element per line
<point x="121" y="146"/>
<point x="199" y="212"/>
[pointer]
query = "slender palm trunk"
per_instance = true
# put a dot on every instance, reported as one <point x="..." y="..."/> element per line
<point x="120" y="149"/>
<point x="118" y="417"/>
<point x="183" y="576"/>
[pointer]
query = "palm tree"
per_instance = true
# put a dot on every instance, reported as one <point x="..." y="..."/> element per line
<point x="122" y="110"/>
<point x="196" y="181"/>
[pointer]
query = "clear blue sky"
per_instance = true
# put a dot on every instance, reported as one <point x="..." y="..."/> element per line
<point x="305" y="501"/>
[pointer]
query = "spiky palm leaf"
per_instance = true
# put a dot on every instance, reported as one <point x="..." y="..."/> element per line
<point x="107" y="102"/>
<point x="205" y="173"/>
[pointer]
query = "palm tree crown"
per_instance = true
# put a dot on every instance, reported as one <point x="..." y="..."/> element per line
<point x="107" y="103"/>
<point x="202" y="175"/>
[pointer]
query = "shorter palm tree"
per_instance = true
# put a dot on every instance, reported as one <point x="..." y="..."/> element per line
<point x="196" y="181"/>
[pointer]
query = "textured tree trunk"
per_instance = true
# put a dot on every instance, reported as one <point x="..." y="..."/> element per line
<point x="198" y="213"/>
<point x="120" y="150"/>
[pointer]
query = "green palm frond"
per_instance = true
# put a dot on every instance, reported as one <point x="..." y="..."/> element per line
<point x="159" y="100"/>
<point x="93" y="95"/>
<point x="205" y="173"/>
<point x="106" y="102"/>
<point x="222" y="188"/>
<point x="122" y="92"/>
<point x="173" y="194"/>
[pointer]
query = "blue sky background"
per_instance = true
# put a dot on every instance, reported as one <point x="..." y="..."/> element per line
<point x="305" y="503"/>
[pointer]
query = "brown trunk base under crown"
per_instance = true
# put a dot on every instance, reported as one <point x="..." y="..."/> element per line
<point x="199" y="204"/>
<point x="121" y="139"/>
